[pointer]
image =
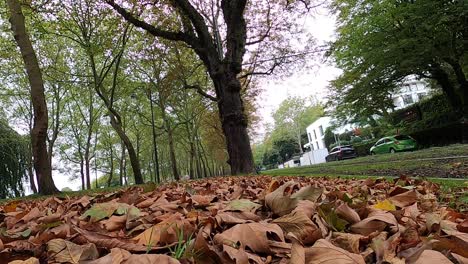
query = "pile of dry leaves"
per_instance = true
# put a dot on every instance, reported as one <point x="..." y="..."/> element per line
<point x="240" y="220"/>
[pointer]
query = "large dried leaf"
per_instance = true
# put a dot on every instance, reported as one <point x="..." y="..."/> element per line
<point x="300" y="225"/>
<point x="432" y="257"/>
<point x="63" y="251"/>
<point x="166" y="232"/>
<point x="325" y="252"/>
<point x="251" y="235"/>
<point x="404" y="199"/>
<point x="120" y="256"/>
<point x="244" y="205"/>
<point x="377" y="221"/>
<point x="104" y="210"/>
<point x="281" y="203"/>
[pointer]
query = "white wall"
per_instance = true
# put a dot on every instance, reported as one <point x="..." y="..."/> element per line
<point x="314" y="157"/>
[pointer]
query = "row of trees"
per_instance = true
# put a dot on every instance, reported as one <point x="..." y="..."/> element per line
<point x="141" y="92"/>
<point x="288" y="134"/>
<point x="380" y="42"/>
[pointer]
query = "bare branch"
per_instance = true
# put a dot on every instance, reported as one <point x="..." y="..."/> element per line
<point x="201" y="92"/>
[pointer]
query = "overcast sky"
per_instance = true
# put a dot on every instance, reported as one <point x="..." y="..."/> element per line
<point x="313" y="82"/>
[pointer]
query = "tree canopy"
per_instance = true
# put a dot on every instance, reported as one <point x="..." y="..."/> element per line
<point x="379" y="43"/>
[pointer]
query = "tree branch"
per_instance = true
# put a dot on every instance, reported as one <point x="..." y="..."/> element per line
<point x="201" y="92"/>
<point x="169" y="35"/>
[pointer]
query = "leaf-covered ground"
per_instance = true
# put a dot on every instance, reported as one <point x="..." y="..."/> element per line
<point x="240" y="220"/>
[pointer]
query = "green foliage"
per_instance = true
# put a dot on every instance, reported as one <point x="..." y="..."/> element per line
<point x="362" y="148"/>
<point x="14" y="156"/>
<point x="329" y="138"/>
<point x="380" y="42"/>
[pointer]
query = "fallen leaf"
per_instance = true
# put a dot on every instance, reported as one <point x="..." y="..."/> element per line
<point x="385" y="205"/>
<point x="404" y="199"/>
<point x="375" y="222"/>
<point x="103" y="210"/>
<point x="243" y="205"/>
<point x="432" y="257"/>
<point x="300" y="225"/>
<point x="251" y="235"/>
<point x="31" y="260"/>
<point x="323" y="251"/>
<point x="63" y="251"/>
<point x="347" y="213"/>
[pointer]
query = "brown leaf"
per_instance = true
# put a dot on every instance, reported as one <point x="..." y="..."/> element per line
<point x="325" y="252"/>
<point x="251" y="235"/>
<point x="349" y="242"/>
<point x="432" y="257"/>
<point x="241" y="256"/>
<point x="33" y="214"/>
<point x="112" y="242"/>
<point x="166" y="232"/>
<point x="463" y="226"/>
<point x="121" y="256"/>
<point x="281" y="203"/>
<point x="31" y="260"/>
<point x="404" y="199"/>
<point x="63" y="251"/>
<point x="347" y="213"/>
<point x="377" y="221"/>
<point x="300" y="225"/>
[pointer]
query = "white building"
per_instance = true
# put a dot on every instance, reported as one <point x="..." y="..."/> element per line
<point x="316" y="132"/>
<point x="412" y="91"/>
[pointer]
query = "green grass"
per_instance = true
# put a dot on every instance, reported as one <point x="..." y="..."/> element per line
<point x="420" y="163"/>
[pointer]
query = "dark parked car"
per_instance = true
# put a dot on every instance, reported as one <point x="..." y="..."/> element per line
<point x="341" y="152"/>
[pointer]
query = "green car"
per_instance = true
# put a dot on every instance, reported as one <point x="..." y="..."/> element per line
<point x="394" y="144"/>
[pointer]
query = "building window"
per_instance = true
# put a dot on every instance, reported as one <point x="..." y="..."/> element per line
<point x="309" y="136"/>
<point x="317" y="145"/>
<point x="312" y="145"/>
<point x="315" y="134"/>
<point x="407" y="99"/>
<point x="321" y="130"/>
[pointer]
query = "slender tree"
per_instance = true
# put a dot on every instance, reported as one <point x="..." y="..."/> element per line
<point x="39" y="132"/>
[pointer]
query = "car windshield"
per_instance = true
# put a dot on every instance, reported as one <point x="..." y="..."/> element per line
<point x="402" y="137"/>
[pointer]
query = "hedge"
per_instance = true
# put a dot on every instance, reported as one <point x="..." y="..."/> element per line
<point x="362" y="148"/>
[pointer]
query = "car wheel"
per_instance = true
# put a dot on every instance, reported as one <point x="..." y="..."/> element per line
<point x="372" y="153"/>
<point x="392" y="150"/>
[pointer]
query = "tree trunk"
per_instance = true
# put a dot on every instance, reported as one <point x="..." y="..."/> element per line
<point x="443" y="80"/>
<point x="234" y="123"/>
<point x="131" y="151"/>
<point x="153" y="131"/>
<point x="39" y="132"/>
<point x="121" y="163"/>
<point x="111" y="172"/>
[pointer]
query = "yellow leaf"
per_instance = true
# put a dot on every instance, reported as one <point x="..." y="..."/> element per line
<point x="385" y="205"/>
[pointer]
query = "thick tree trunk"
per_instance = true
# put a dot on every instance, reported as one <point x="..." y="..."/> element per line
<point x="448" y="88"/>
<point x="131" y="151"/>
<point x="39" y="131"/>
<point x="234" y="123"/>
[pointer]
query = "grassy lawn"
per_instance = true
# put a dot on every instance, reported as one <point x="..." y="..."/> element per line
<point x="422" y="163"/>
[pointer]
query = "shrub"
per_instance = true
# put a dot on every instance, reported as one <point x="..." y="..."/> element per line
<point x="342" y="143"/>
<point x="362" y="148"/>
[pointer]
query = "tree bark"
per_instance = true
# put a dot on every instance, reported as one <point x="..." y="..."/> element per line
<point x="39" y="132"/>
<point x="443" y="79"/>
